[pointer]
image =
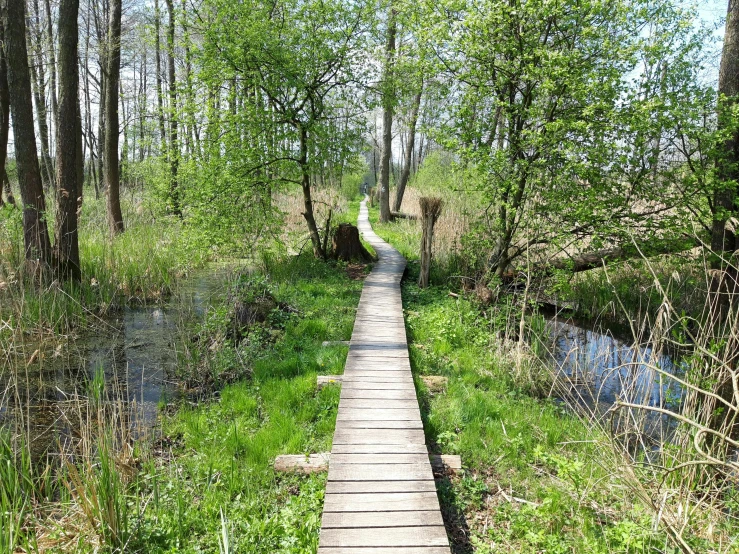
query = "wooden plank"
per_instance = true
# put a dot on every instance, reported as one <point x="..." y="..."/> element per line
<point x="376" y="436"/>
<point x="445" y="462"/>
<point x="384" y="550"/>
<point x="371" y="448"/>
<point x="377" y="403"/>
<point x="340" y="520"/>
<point x="378" y="377"/>
<point x="381" y="502"/>
<point x="356" y="487"/>
<point x="379" y="386"/>
<point x="381" y="424"/>
<point x="385" y="536"/>
<point x="392" y="458"/>
<point x="324" y="380"/>
<point x="380" y="472"/>
<point x="405" y="394"/>
<point x="369" y="414"/>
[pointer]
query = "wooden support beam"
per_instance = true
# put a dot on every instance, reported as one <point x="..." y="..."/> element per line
<point x="300" y="463"/>
<point x="316" y="463"/>
<point x="323" y="380"/>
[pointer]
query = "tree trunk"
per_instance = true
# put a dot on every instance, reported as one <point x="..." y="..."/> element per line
<point x="38" y="76"/>
<point x="307" y="200"/>
<point x="111" y="168"/>
<point x="68" y="145"/>
<point x="52" y="59"/>
<point x="4" y="118"/>
<point x="723" y="240"/>
<point x="35" y="233"/>
<point x="388" y="102"/>
<point x="407" y="163"/>
<point x="174" y="144"/>
<point x="160" y="100"/>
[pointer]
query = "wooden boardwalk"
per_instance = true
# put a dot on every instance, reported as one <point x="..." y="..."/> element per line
<point x="380" y="495"/>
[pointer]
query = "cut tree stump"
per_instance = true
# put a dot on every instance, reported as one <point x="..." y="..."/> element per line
<point x="323" y="380"/>
<point x="316" y="463"/>
<point x="347" y="246"/>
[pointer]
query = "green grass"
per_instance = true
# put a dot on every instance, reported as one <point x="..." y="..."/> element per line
<point x="534" y="478"/>
<point x="224" y="449"/>
<point x="142" y="265"/>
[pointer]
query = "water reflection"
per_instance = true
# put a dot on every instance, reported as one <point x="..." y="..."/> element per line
<point x="44" y="388"/>
<point x="596" y="370"/>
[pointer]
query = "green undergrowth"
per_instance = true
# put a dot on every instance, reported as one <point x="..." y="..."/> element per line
<point x="536" y="477"/>
<point x="143" y="265"/>
<point x="215" y="472"/>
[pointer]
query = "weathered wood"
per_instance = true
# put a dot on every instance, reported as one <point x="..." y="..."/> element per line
<point x="384" y="550"/>
<point x="380" y="492"/>
<point x="373" y="436"/>
<point x="375" y="414"/>
<point x="300" y="463"/>
<point x="382" y="424"/>
<point x="341" y="520"/>
<point x="448" y="462"/>
<point x="381" y="502"/>
<point x="323" y="380"/>
<point x="385" y="536"/>
<point x="377" y="403"/>
<point x="354" y="487"/>
<point x="376" y="472"/>
<point x="372" y="448"/>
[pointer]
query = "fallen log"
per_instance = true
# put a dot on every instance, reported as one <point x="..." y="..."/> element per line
<point x="599" y="258"/>
<point x="401" y="215"/>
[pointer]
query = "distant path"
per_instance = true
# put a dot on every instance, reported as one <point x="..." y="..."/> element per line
<point x="380" y="496"/>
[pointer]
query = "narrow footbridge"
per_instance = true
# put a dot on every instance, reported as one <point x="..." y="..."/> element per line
<point x="380" y="496"/>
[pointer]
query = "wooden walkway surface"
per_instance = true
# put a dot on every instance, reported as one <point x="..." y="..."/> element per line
<point x="380" y="495"/>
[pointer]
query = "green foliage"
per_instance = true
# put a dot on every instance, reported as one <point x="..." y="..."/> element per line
<point x="225" y="449"/>
<point x="534" y="480"/>
<point x="16" y="485"/>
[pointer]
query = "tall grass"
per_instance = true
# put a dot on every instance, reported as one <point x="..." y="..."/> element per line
<point x="142" y="265"/>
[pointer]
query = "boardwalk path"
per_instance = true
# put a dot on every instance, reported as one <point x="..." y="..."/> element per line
<point x="380" y="496"/>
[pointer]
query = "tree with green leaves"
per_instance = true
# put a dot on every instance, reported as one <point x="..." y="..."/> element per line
<point x="293" y="69"/>
<point x="561" y="126"/>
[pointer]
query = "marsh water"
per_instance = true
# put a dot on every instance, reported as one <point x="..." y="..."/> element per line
<point x="129" y="357"/>
<point x="596" y="369"/>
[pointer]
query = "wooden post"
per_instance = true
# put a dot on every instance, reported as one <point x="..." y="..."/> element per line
<point x="430" y="211"/>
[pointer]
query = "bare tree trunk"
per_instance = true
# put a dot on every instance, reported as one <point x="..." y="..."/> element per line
<point x="35" y="233"/>
<point x="111" y="168"/>
<point x="4" y="119"/>
<point x="68" y="146"/>
<point x="408" y="162"/>
<point x="174" y="144"/>
<point x="38" y="77"/>
<point x="307" y="200"/>
<point x="388" y="101"/>
<point x="52" y="59"/>
<point x="723" y="240"/>
<point x="160" y="101"/>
